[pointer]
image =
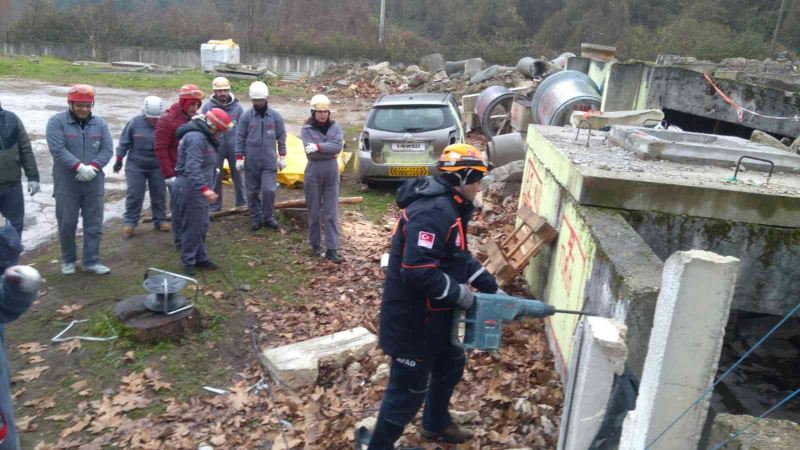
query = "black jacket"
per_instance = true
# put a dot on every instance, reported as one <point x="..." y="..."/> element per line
<point x="429" y="259"/>
<point x="15" y="150"/>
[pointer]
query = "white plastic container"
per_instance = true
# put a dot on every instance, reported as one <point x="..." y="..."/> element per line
<point x="218" y="52"/>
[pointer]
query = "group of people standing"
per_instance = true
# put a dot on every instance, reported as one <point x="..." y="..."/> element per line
<point x="181" y="150"/>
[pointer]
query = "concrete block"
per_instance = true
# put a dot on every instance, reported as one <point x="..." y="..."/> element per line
<point x="599" y="119"/>
<point x="473" y="66"/>
<point x="767" y="139"/>
<point x="296" y="365"/>
<point x="432" y="63"/>
<point x="469" y="102"/>
<point x="685" y="344"/>
<point x="521" y="115"/>
<point x="765" y="434"/>
<point x="599" y="52"/>
<point x="600" y="356"/>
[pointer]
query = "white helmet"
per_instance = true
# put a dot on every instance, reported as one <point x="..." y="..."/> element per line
<point x="258" y="91"/>
<point x="153" y="107"/>
<point x="320" y="102"/>
<point x="220" y="84"/>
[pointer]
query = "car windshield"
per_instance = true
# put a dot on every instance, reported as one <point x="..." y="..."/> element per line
<point x="410" y="119"/>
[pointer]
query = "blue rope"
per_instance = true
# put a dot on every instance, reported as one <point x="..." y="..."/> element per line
<point x="742" y="430"/>
<point x="722" y="377"/>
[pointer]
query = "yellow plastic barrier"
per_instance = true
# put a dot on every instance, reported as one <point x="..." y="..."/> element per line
<point x="292" y="175"/>
<point x="223" y="43"/>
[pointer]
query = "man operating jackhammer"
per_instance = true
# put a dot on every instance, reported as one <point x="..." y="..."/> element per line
<point x="430" y="273"/>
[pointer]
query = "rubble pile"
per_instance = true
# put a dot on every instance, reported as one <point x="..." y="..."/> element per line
<point x="363" y="79"/>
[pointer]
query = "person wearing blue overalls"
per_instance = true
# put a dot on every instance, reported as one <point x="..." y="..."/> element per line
<point x="143" y="169"/>
<point x="322" y="139"/>
<point x="196" y="172"/>
<point x="18" y="289"/>
<point x="224" y="99"/>
<point x="81" y="146"/>
<point x="259" y="129"/>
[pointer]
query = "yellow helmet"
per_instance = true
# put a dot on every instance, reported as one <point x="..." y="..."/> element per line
<point x="320" y="102"/>
<point x="456" y="157"/>
<point x="220" y="84"/>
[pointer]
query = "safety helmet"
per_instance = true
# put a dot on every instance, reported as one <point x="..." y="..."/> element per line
<point x="320" y="102"/>
<point x="220" y="84"/>
<point x="153" y="107"/>
<point x="80" y="93"/>
<point x="456" y="157"/>
<point x="258" y="91"/>
<point x="190" y="91"/>
<point x="220" y="119"/>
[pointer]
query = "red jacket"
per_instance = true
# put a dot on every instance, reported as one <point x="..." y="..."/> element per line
<point x="166" y="143"/>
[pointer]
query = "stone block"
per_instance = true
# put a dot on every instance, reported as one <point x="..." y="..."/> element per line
<point x="297" y="365"/>
<point x="473" y="66"/>
<point x="766" y="434"/>
<point x="432" y="63"/>
<point x="683" y="354"/>
<point x="767" y="139"/>
<point x="469" y="102"/>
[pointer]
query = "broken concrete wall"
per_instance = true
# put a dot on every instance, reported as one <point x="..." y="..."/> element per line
<point x="598" y="263"/>
<point x="765" y="434"/>
<point x="688" y="92"/>
<point x="769" y="255"/>
<point x="626" y="86"/>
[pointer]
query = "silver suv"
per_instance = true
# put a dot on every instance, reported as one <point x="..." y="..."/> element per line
<point x="405" y="134"/>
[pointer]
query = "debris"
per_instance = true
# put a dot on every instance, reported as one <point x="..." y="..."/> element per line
<point x="432" y="63"/>
<point x="216" y="390"/>
<point x="240" y="71"/>
<point x="761" y="137"/>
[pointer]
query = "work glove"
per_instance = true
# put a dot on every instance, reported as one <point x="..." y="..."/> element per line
<point x="465" y="297"/>
<point x="170" y="181"/>
<point x="26" y="278"/>
<point x="240" y="165"/>
<point x="33" y="187"/>
<point x="311" y="148"/>
<point x="86" y="173"/>
<point x="118" y="165"/>
<point x="281" y="163"/>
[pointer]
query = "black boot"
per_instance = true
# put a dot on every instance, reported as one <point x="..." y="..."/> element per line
<point x="384" y="436"/>
<point x="206" y="265"/>
<point x="272" y="223"/>
<point x="332" y="256"/>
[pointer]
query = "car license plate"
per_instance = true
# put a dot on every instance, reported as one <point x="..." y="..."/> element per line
<point x="408" y="147"/>
<point x="408" y="171"/>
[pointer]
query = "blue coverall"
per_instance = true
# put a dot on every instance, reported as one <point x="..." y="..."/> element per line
<point x="255" y="142"/>
<point x="321" y="181"/>
<point x="142" y="169"/>
<point x="72" y="142"/>
<point x="227" y="149"/>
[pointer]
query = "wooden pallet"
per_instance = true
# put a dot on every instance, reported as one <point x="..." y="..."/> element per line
<point x="510" y="257"/>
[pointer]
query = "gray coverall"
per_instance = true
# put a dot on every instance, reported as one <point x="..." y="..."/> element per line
<point x="70" y="144"/>
<point x="141" y="170"/>
<point x="255" y="142"/>
<point x="321" y="183"/>
<point x="13" y="302"/>
<point x="197" y="161"/>
<point x="227" y="150"/>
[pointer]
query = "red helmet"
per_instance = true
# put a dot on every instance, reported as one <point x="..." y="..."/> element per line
<point x="220" y="119"/>
<point x="190" y="91"/>
<point x="80" y="93"/>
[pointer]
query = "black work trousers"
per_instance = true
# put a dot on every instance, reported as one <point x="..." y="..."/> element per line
<point x="413" y="381"/>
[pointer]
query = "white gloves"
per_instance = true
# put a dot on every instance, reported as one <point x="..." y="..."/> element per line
<point x="33" y="187"/>
<point x="26" y="277"/>
<point x="281" y="163"/>
<point x="311" y="148"/>
<point x="85" y="173"/>
<point x="240" y="165"/>
<point x="465" y="297"/>
<point x="170" y="181"/>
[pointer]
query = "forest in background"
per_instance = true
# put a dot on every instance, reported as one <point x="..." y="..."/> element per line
<point x="500" y="31"/>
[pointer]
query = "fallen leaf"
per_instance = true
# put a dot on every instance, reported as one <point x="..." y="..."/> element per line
<point x="29" y="374"/>
<point x="31" y="347"/>
<point x="128" y="357"/>
<point x="77" y="386"/>
<point x="58" y="417"/>
<point x="26" y="424"/>
<point x="68" y="309"/>
<point x="36" y="359"/>
<point x="218" y="440"/>
<point x="70" y="346"/>
<point x="80" y="425"/>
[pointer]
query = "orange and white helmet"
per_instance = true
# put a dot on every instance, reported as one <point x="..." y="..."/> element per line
<point x="220" y="119"/>
<point x="457" y="157"/>
<point x="80" y="93"/>
<point x="190" y="91"/>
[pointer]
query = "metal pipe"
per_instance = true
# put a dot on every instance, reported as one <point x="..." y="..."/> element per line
<point x="486" y="107"/>
<point x="561" y="94"/>
<point x="506" y="148"/>
<point x="531" y="67"/>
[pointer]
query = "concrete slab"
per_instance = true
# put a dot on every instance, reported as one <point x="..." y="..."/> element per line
<point x="606" y="174"/>
<point x="599" y="119"/>
<point x="296" y="365"/>
<point x="683" y="354"/>
<point x="600" y="357"/>
<point x="699" y="148"/>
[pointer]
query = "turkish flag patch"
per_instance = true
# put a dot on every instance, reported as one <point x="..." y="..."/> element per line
<point x="426" y="239"/>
